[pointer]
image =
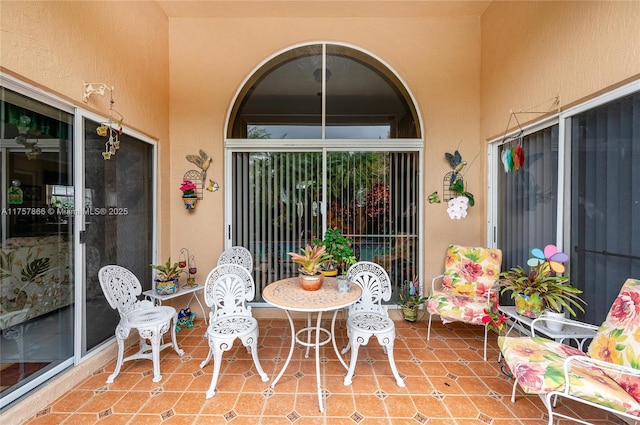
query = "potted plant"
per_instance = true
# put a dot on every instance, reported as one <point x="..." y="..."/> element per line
<point x="310" y="259"/>
<point x="410" y="299"/>
<point x="338" y="246"/>
<point x="189" y="196"/>
<point x="167" y="277"/>
<point x="539" y="290"/>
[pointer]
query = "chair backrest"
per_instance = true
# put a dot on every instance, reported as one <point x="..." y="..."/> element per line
<point x="471" y="271"/>
<point x="121" y="288"/>
<point x="617" y="340"/>
<point x="375" y="284"/>
<point x="227" y="290"/>
<point x="236" y="255"/>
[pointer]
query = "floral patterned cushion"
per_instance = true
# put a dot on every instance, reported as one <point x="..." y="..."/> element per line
<point x="35" y="278"/>
<point x="452" y="307"/>
<point x="537" y="364"/>
<point x="471" y="271"/>
<point x="618" y="338"/>
<point x="469" y="277"/>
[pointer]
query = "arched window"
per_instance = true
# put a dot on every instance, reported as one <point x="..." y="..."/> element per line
<point x="320" y="136"/>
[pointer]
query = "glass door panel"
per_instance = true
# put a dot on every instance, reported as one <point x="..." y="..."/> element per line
<point x="37" y="251"/>
<point x="119" y="223"/>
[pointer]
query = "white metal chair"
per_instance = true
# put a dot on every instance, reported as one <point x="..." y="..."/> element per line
<point x="227" y="289"/>
<point x="368" y="317"/>
<point x="121" y="289"/>
<point x="237" y="255"/>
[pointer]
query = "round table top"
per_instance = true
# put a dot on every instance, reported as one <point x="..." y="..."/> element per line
<point x="289" y="295"/>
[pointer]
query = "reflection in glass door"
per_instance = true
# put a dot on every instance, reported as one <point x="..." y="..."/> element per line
<point x="37" y="251"/>
<point x="119" y="223"/>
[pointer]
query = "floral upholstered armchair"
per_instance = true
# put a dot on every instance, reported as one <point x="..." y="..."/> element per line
<point x="607" y="376"/>
<point x="467" y="287"/>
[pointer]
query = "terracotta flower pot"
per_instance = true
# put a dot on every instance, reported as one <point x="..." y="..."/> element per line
<point x="311" y="283"/>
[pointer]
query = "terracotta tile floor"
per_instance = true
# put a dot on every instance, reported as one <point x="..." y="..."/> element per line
<point x="447" y="383"/>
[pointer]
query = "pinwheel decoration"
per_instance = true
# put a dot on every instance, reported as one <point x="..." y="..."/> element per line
<point x="551" y="255"/>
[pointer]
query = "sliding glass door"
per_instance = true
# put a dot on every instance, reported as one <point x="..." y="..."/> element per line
<point x="37" y="285"/>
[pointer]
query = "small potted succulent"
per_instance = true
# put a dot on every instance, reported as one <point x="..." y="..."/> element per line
<point x="167" y="275"/>
<point x="310" y="259"/>
<point x="189" y="196"/>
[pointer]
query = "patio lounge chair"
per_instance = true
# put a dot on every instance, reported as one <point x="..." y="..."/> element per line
<point x="606" y="377"/>
<point x="467" y="287"/>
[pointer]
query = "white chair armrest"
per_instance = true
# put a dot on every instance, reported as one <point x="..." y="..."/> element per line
<point x="606" y="367"/>
<point x="542" y="319"/>
<point x="434" y="278"/>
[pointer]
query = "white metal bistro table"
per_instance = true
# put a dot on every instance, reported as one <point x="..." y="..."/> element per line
<point x="288" y="295"/>
<point x="577" y="333"/>
<point x="184" y="290"/>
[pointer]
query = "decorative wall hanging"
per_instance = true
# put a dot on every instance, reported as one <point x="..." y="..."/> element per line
<point x="112" y="144"/>
<point x="202" y="161"/>
<point x="188" y="262"/>
<point x="513" y="157"/>
<point x="453" y="187"/>
<point x="189" y="196"/>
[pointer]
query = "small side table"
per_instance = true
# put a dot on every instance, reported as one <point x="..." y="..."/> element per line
<point x="184" y="290"/>
<point x="579" y="334"/>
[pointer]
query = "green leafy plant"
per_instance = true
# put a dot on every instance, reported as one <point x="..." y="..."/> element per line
<point x="167" y="271"/>
<point x="540" y="283"/>
<point x="310" y="259"/>
<point x="338" y="246"/>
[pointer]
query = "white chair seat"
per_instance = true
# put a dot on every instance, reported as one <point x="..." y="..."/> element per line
<point x="232" y="327"/>
<point x="150" y="316"/>
<point x="370" y="323"/>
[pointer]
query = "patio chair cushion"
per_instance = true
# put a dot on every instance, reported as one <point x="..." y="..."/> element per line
<point x="618" y="338"/>
<point x="471" y="271"/>
<point x="453" y="307"/>
<point x="537" y="364"/>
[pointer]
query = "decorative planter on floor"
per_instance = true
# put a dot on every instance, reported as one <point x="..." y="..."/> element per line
<point x="410" y="313"/>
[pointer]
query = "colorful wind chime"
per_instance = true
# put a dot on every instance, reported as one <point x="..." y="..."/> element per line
<point x="512" y="157"/>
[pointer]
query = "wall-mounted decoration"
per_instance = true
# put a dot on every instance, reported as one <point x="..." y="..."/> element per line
<point x="202" y="161"/>
<point x="189" y="196"/>
<point x="434" y="198"/>
<point x="213" y="186"/>
<point x="112" y="129"/>
<point x="453" y="187"/>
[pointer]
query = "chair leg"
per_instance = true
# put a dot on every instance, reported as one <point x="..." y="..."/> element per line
<point x="252" y="346"/>
<point x="392" y="363"/>
<point x="177" y="349"/>
<point x="217" y="360"/>
<point x="205" y="361"/>
<point x="119" y="361"/>
<point x="355" y="347"/>
<point x="486" y="332"/>
<point x="429" y="328"/>
<point x="155" y="355"/>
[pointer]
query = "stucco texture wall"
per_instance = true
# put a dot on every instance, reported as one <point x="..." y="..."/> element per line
<point x="438" y="59"/>
<point x="535" y="51"/>
<point x="57" y="45"/>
